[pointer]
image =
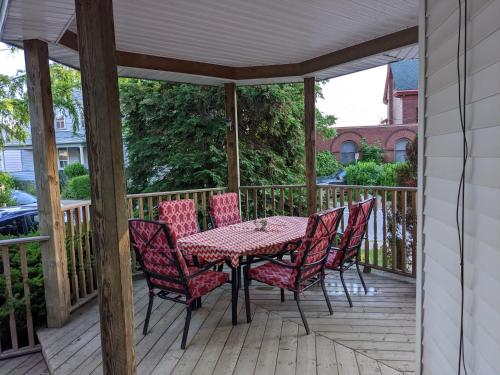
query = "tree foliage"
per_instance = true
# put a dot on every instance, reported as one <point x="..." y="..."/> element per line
<point x="371" y="152"/>
<point x="407" y="174"/>
<point x="175" y="134"/>
<point x="14" y="112"/>
<point x="327" y="164"/>
<point x="74" y="170"/>
<point x="372" y="174"/>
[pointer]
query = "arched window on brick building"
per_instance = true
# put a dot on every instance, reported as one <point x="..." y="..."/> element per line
<point x="400" y="150"/>
<point x="348" y="151"/>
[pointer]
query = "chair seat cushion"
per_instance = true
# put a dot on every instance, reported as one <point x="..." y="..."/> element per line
<point x="334" y="259"/>
<point x="198" y="285"/>
<point x="273" y="274"/>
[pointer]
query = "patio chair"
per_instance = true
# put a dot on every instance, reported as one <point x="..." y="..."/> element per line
<point x="167" y="274"/>
<point x="308" y="267"/>
<point x="346" y="255"/>
<point x="181" y="215"/>
<point x="224" y="210"/>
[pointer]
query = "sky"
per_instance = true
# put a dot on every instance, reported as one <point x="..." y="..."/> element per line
<point x="355" y="99"/>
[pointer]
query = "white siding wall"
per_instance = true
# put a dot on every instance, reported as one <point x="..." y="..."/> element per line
<point x="27" y="160"/>
<point x="442" y="164"/>
<point x="12" y="160"/>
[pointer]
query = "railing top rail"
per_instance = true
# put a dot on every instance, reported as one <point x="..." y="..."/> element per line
<point x="23" y="240"/>
<point x="389" y="188"/>
<point x="70" y="206"/>
<point x="273" y="186"/>
<point x="155" y="194"/>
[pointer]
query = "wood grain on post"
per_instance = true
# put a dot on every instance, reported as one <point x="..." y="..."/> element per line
<point x="233" y="161"/>
<point x="310" y="142"/>
<point x="51" y="224"/>
<point x="96" y="38"/>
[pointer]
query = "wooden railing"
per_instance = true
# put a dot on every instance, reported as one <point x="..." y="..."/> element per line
<point x="17" y="328"/>
<point x="81" y="264"/>
<point x="387" y="246"/>
<point x="270" y="200"/>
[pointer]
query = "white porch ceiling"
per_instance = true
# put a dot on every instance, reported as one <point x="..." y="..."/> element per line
<point x="233" y="33"/>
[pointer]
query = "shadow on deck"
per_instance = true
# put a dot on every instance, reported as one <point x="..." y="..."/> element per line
<point x="376" y="336"/>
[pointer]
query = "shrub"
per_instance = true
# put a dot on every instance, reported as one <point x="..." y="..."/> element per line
<point x="372" y="174"/>
<point x="326" y="163"/>
<point x="363" y="173"/>
<point x="373" y="152"/>
<point x="78" y="187"/>
<point x="6" y="186"/>
<point x="407" y="173"/>
<point x="75" y="170"/>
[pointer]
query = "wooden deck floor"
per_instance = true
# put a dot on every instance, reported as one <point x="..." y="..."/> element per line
<point x="376" y="336"/>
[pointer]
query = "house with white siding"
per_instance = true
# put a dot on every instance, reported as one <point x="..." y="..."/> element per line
<point x="17" y="157"/>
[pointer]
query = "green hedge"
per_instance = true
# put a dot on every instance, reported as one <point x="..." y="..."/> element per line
<point x="372" y="174"/>
<point x="75" y="170"/>
<point x="78" y="188"/>
<point x="327" y="164"/>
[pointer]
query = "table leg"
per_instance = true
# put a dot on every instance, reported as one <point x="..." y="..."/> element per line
<point x="234" y="296"/>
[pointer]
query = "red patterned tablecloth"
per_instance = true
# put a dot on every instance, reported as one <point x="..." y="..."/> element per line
<point x="243" y="239"/>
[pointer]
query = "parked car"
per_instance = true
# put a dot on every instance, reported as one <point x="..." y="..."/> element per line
<point x="338" y="178"/>
<point x="21" y="198"/>
<point x="18" y="220"/>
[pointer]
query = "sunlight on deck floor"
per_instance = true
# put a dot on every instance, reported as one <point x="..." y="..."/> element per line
<point x="376" y="336"/>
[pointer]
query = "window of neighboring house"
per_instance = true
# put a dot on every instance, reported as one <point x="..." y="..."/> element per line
<point x="348" y="151"/>
<point x="60" y="124"/>
<point x="63" y="157"/>
<point x="400" y="150"/>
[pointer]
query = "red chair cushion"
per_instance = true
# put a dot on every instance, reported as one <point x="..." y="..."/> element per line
<point x="273" y="274"/>
<point x="180" y="215"/>
<point x="199" y="285"/>
<point x="224" y="209"/>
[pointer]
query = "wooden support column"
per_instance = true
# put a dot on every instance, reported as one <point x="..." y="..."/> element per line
<point x="232" y="147"/>
<point x="54" y="258"/>
<point x="96" y="39"/>
<point x="310" y="142"/>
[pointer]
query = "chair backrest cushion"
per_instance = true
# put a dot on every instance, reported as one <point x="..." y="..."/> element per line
<point x="359" y="215"/>
<point x="180" y="215"/>
<point x="224" y="209"/>
<point x="321" y="229"/>
<point x="155" y="246"/>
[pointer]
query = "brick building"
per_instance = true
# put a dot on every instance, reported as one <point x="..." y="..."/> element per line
<point x="394" y="133"/>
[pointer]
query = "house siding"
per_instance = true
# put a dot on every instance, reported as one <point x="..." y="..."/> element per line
<point x="442" y="168"/>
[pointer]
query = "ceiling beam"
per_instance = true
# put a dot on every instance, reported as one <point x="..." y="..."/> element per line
<point x="359" y="51"/>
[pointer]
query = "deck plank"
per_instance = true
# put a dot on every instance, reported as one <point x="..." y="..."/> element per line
<point x="376" y="336"/>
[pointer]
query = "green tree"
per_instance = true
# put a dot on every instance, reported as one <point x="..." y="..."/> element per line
<point x="327" y="164"/>
<point x="371" y="152"/>
<point x="175" y="134"/>
<point x="14" y="112"/>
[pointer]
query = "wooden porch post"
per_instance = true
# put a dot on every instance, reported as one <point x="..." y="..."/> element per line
<point x="54" y="258"/>
<point x="233" y="159"/>
<point x="96" y="39"/>
<point x="310" y="142"/>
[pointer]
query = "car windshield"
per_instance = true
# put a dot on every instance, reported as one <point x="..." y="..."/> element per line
<point x="21" y="198"/>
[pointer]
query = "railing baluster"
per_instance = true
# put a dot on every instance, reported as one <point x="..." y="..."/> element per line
<point x="394" y="203"/>
<point x="273" y="199"/>
<point x="299" y="206"/>
<point x="264" y="204"/>
<point x="204" y="208"/>
<point x="88" y="256"/>
<point x="327" y="203"/>
<point x="27" y="294"/>
<point x="414" y="235"/>
<point x="384" y="229"/>
<point x="290" y="201"/>
<point x="375" y="228"/>
<point x="81" y="265"/>
<point x="282" y="201"/>
<point x="367" y="238"/>
<point x="334" y="196"/>
<point x="342" y="224"/>
<point x="130" y="208"/>
<point x="247" y="205"/>
<point x="255" y="204"/>
<point x="9" y="295"/>
<point x="349" y="197"/>
<point x="141" y="208"/>
<point x="74" y="276"/>
<point x="150" y="208"/>
<point x="403" y="231"/>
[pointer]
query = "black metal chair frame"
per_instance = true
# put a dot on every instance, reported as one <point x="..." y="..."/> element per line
<point x="346" y="263"/>
<point x="311" y="281"/>
<point x="181" y="295"/>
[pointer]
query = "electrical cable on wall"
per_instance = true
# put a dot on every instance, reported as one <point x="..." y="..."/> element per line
<point x="460" y="207"/>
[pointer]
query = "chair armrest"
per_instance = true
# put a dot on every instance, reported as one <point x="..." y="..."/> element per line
<point x="205" y="268"/>
<point x="276" y="261"/>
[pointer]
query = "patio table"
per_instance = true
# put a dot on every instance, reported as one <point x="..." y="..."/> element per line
<point x="236" y="241"/>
